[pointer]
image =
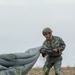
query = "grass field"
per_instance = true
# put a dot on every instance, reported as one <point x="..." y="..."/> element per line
<point x="64" y="70"/>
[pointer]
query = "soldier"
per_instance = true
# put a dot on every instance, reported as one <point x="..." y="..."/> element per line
<point x="52" y="48"/>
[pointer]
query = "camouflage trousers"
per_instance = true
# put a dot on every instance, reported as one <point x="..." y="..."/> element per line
<point x="56" y="62"/>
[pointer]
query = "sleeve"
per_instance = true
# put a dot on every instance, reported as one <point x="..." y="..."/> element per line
<point x="44" y="45"/>
<point x="62" y="45"/>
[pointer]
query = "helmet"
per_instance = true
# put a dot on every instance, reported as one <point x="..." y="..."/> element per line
<point x="46" y="30"/>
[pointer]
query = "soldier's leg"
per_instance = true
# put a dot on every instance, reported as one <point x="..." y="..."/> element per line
<point x="57" y="67"/>
<point x="47" y="68"/>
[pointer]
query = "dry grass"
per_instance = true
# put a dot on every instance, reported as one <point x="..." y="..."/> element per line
<point x="65" y="71"/>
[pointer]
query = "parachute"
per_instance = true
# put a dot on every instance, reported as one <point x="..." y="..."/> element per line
<point x="18" y="63"/>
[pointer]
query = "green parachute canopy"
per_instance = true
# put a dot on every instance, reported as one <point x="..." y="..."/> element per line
<point x="18" y="63"/>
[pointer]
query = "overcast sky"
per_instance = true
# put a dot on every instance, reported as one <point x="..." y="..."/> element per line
<point x="22" y="21"/>
<point x="27" y="2"/>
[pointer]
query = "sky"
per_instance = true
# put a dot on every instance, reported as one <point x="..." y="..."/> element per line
<point x="35" y="1"/>
<point x="22" y="22"/>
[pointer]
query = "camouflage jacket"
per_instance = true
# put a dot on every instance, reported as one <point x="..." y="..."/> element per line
<point x="56" y="42"/>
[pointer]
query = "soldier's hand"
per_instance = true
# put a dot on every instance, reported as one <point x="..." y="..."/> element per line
<point x="55" y="50"/>
<point x="42" y="51"/>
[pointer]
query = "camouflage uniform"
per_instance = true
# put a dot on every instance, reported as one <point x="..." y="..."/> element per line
<point x="53" y="58"/>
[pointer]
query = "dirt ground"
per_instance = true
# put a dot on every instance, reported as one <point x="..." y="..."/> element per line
<point x="64" y="71"/>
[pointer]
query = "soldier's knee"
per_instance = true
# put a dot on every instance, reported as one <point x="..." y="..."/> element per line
<point x="57" y="73"/>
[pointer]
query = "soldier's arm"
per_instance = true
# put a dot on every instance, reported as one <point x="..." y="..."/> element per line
<point x="62" y="45"/>
<point x="44" y="47"/>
